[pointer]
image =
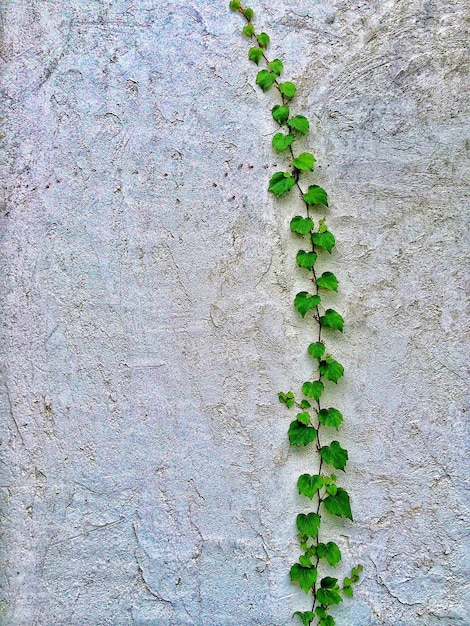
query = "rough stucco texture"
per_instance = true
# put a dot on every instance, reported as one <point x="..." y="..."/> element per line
<point x="147" y="284"/>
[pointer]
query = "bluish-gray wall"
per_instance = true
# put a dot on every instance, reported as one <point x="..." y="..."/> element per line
<point x="146" y="295"/>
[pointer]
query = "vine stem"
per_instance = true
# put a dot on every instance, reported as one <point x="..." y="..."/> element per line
<point x="335" y="500"/>
<point x="325" y="494"/>
<point x="316" y="317"/>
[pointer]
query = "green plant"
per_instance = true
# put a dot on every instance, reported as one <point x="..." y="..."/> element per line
<point x="312" y="419"/>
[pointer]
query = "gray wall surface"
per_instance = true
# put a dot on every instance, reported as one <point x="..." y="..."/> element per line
<point x="147" y="320"/>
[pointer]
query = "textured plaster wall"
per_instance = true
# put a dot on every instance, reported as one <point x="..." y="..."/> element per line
<point x="147" y="323"/>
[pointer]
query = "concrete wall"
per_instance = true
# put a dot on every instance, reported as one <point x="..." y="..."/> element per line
<point x="147" y="322"/>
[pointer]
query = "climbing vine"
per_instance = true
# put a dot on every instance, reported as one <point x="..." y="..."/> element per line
<point x="313" y="422"/>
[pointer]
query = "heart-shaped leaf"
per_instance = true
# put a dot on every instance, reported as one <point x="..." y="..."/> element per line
<point x="316" y="195"/>
<point x="280" y="183"/>
<point x="330" y="417"/>
<point x="281" y="142"/>
<point x="255" y="55"/>
<point x="313" y="390"/>
<point x="308" y="485"/>
<point x="288" y="89"/>
<point x="328" y="281"/>
<point x="301" y="225"/>
<point x="305" y="301"/>
<point x="265" y="79"/>
<point x="328" y="596"/>
<point x="308" y="524"/>
<point x="304" y="418"/>
<point x="335" y="455"/>
<point x="304" y="161"/>
<point x="263" y="40"/>
<point x="299" y="123"/>
<point x="306" y="259"/>
<point x="325" y="240"/>
<point x="306" y="617"/>
<point x="339" y="504"/>
<point x="276" y="66"/>
<point x="330" y="552"/>
<point x="300" y="434"/>
<point x="316" y="350"/>
<point x="331" y="369"/>
<point x="332" y="319"/>
<point x="305" y="576"/>
<point x="280" y="113"/>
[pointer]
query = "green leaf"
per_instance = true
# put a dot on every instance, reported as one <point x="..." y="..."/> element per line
<point x="248" y="30"/>
<point x="308" y="524"/>
<point x="265" y="79"/>
<point x="309" y="485"/>
<point x="280" y="183"/>
<point x="328" y="281"/>
<point x="324" y="240"/>
<point x="300" y="434"/>
<point x="303" y="542"/>
<point x="332" y="319"/>
<point x="348" y="591"/>
<point x="301" y="225"/>
<point x="330" y="417"/>
<point x="280" y="113"/>
<point x="320" y="611"/>
<point x="335" y="455"/>
<point x="305" y="576"/>
<point x="327" y="621"/>
<point x="328" y="596"/>
<point x="235" y="5"/>
<point x="306" y="259"/>
<point x="332" y="489"/>
<point x="328" y="582"/>
<point x="304" y="161"/>
<point x="263" y="40"/>
<point x="339" y="504"/>
<point x="305" y="301"/>
<point x="355" y="571"/>
<point x="287" y="398"/>
<point x="333" y="553"/>
<point x="281" y="141"/>
<point x="316" y="350"/>
<point x="249" y="14"/>
<point x="305" y="404"/>
<point x="313" y="390"/>
<point x="316" y="195"/>
<point x="305" y="617"/>
<point x="311" y="551"/>
<point x="255" y="55"/>
<point x="287" y="89"/>
<point x="320" y="550"/>
<point x="331" y="369"/>
<point x="299" y="123"/>
<point x="305" y="561"/>
<point x="304" y="418"/>
<point x="276" y="66"/>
